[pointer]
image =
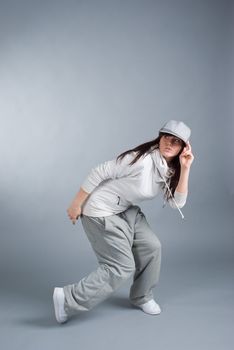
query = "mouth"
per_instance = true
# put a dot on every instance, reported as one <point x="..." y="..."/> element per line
<point x="168" y="149"/>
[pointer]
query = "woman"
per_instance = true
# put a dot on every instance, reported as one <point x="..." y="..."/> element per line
<point x="117" y="228"/>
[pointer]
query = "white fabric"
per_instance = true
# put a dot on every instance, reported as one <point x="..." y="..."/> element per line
<point x="114" y="186"/>
<point x="58" y="298"/>
<point x="151" y="307"/>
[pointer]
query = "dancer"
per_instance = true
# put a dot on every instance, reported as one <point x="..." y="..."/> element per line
<point x="115" y="225"/>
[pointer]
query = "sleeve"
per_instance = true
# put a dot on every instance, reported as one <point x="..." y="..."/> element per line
<point x="110" y="169"/>
<point x="180" y="199"/>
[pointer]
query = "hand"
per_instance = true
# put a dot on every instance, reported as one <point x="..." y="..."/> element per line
<point x="186" y="157"/>
<point x="74" y="211"/>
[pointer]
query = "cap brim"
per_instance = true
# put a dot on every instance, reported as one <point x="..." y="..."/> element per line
<point x="172" y="133"/>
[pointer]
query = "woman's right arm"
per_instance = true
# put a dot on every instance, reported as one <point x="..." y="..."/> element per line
<point x="75" y="208"/>
<point x="110" y="169"/>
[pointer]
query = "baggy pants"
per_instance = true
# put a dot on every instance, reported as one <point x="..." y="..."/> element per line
<point x="124" y="244"/>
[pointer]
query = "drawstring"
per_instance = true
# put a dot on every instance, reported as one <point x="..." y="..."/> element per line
<point x="171" y="196"/>
<point x="160" y="162"/>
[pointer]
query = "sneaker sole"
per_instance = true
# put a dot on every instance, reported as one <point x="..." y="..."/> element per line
<point x="56" y="306"/>
<point x="148" y="313"/>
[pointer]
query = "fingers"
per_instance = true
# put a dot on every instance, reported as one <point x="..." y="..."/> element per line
<point x="186" y="154"/>
<point x="74" y="220"/>
<point x="189" y="146"/>
<point x="72" y="217"/>
<point x="187" y="149"/>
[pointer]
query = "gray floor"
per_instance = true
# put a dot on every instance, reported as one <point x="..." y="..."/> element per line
<point x="195" y="314"/>
<point x="195" y="293"/>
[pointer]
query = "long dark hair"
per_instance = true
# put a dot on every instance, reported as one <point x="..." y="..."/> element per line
<point x="174" y="164"/>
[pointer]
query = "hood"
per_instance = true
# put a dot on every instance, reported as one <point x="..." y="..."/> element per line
<point x="164" y="172"/>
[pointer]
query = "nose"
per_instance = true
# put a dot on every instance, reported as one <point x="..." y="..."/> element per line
<point x="169" y="142"/>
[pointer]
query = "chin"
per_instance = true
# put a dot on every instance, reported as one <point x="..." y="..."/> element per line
<point x="168" y="157"/>
<point x="167" y="154"/>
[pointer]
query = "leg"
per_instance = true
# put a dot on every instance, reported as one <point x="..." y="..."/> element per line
<point x="147" y="255"/>
<point x="116" y="264"/>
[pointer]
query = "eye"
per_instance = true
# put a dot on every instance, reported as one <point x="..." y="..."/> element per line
<point x="178" y="141"/>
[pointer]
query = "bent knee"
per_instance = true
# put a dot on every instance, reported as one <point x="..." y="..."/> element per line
<point x="123" y="270"/>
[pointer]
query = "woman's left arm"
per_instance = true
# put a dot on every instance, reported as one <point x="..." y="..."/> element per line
<point x="186" y="158"/>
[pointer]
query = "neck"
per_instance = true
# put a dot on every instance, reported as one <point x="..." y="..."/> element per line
<point x="168" y="159"/>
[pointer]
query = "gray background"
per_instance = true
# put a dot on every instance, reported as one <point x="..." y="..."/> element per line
<point x="81" y="82"/>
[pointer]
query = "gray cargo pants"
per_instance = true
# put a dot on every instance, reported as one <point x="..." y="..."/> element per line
<point x="124" y="244"/>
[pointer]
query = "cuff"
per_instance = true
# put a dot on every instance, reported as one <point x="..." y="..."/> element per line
<point x="88" y="186"/>
<point x="180" y="198"/>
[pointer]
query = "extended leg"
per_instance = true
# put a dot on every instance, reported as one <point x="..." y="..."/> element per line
<point x="116" y="264"/>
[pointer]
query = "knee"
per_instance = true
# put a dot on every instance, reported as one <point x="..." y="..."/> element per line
<point x="118" y="274"/>
<point x="126" y="270"/>
<point x="123" y="271"/>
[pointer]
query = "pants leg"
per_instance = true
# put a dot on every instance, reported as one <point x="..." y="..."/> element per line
<point x="146" y="250"/>
<point x="111" y="240"/>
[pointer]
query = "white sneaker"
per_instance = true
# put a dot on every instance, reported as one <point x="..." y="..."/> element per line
<point x="59" y="298"/>
<point x="151" y="307"/>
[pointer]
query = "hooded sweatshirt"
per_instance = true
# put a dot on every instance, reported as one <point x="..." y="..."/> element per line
<point x="114" y="185"/>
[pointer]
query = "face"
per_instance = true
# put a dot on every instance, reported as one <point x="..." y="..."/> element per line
<point x="170" y="146"/>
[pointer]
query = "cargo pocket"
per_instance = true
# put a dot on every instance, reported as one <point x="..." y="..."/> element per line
<point x="99" y="221"/>
<point x="92" y="225"/>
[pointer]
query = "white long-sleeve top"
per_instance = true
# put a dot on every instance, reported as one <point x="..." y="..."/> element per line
<point x="114" y="186"/>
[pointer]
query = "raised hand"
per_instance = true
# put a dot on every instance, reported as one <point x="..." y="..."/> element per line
<point x="186" y="157"/>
